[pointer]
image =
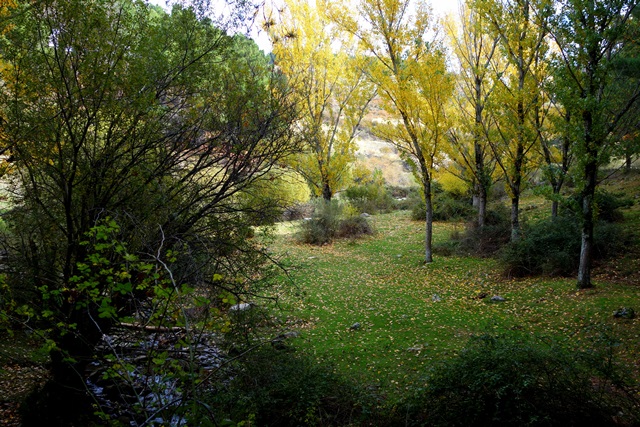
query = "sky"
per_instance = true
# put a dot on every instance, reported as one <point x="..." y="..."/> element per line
<point x="440" y="7"/>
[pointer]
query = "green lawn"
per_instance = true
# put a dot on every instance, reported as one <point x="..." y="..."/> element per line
<point x="412" y="315"/>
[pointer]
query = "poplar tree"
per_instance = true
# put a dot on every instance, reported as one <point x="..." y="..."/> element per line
<point x="409" y="70"/>
<point x="521" y="26"/>
<point x="326" y="71"/>
<point x="475" y="52"/>
<point x="590" y="37"/>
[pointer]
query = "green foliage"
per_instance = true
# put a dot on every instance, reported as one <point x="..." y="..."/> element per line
<point x="369" y="194"/>
<point x="369" y="198"/>
<point x="323" y="227"/>
<point x="329" y="222"/>
<point x="515" y="380"/>
<point x="283" y="388"/>
<point x="480" y="241"/>
<point x="447" y="206"/>
<point x="607" y="205"/>
<point x="552" y="247"/>
<point x="354" y="227"/>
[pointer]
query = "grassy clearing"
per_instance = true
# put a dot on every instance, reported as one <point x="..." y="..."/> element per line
<point x="412" y="315"/>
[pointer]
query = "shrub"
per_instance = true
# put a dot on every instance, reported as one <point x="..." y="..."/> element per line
<point x="515" y="381"/>
<point x="283" y="388"/>
<point x="553" y="247"/>
<point x="406" y="198"/>
<point x="447" y="206"/>
<point x="323" y="226"/>
<point x="328" y="223"/>
<point x="607" y="206"/>
<point x="298" y="211"/>
<point x="485" y="241"/>
<point x="353" y="227"/>
<point x="370" y="198"/>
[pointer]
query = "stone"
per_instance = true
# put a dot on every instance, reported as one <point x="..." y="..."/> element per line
<point x="497" y="298"/>
<point x="625" y="313"/>
<point x="365" y="215"/>
<point x="243" y="306"/>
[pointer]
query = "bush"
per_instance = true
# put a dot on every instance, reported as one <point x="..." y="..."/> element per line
<point x="553" y="247"/>
<point x="324" y="224"/>
<point x="406" y="198"/>
<point x="607" y="206"/>
<point x="447" y="206"/>
<point x="516" y="381"/>
<point x="298" y="211"/>
<point x="281" y="388"/>
<point x="370" y="198"/>
<point x="354" y="227"/>
<point x="480" y="241"/>
<point x="328" y="223"/>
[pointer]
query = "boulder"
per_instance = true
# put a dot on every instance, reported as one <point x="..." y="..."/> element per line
<point x="624" y="313"/>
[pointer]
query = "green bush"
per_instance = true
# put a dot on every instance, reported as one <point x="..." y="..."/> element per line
<point x="447" y="206"/>
<point x="353" y="227"/>
<point x="323" y="226"/>
<point x="607" y="206"/>
<point x="553" y="247"/>
<point x="328" y="223"/>
<point x="480" y="241"/>
<point x="406" y="198"/>
<point x="520" y="381"/>
<point x="283" y="388"/>
<point x="370" y="198"/>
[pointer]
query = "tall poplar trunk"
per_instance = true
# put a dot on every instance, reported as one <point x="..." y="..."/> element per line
<point x="482" y="181"/>
<point x="515" y="218"/>
<point x="586" y="247"/>
<point x="590" y="181"/>
<point x="428" y="236"/>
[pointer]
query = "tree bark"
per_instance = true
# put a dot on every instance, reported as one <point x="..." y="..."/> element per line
<point x="428" y="250"/>
<point x="327" y="193"/>
<point x="586" y="248"/>
<point x="515" y="218"/>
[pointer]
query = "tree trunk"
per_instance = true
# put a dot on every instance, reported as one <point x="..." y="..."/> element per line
<point x="482" y="205"/>
<point x="326" y="192"/>
<point x="557" y="186"/>
<point x="515" y="221"/>
<point x="586" y="249"/>
<point x="428" y="255"/>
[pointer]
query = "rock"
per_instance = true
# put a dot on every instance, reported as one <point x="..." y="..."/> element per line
<point x="497" y="298"/>
<point x="625" y="313"/>
<point x="436" y="298"/>
<point x="365" y="215"/>
<point x="480" y="295"/>
<point x="355" y="326"/>
<point x="243" y="306"/>
<point x="289" y="335"/>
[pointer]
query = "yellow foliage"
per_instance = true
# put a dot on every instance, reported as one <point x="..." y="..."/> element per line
<point x="326" y="72"/>
<point x="451" y="182"/>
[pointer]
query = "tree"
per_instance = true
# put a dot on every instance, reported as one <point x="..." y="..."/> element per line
<point x="590" y="36"/>
<point x="521" y="27"/>
<point x="475" y="52"/>
<point x="327" y="74"/>
<point x="156" y="121"/>
<point x="411" y="76"/>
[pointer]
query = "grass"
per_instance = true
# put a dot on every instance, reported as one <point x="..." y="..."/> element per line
<point x="413" y="315"/>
